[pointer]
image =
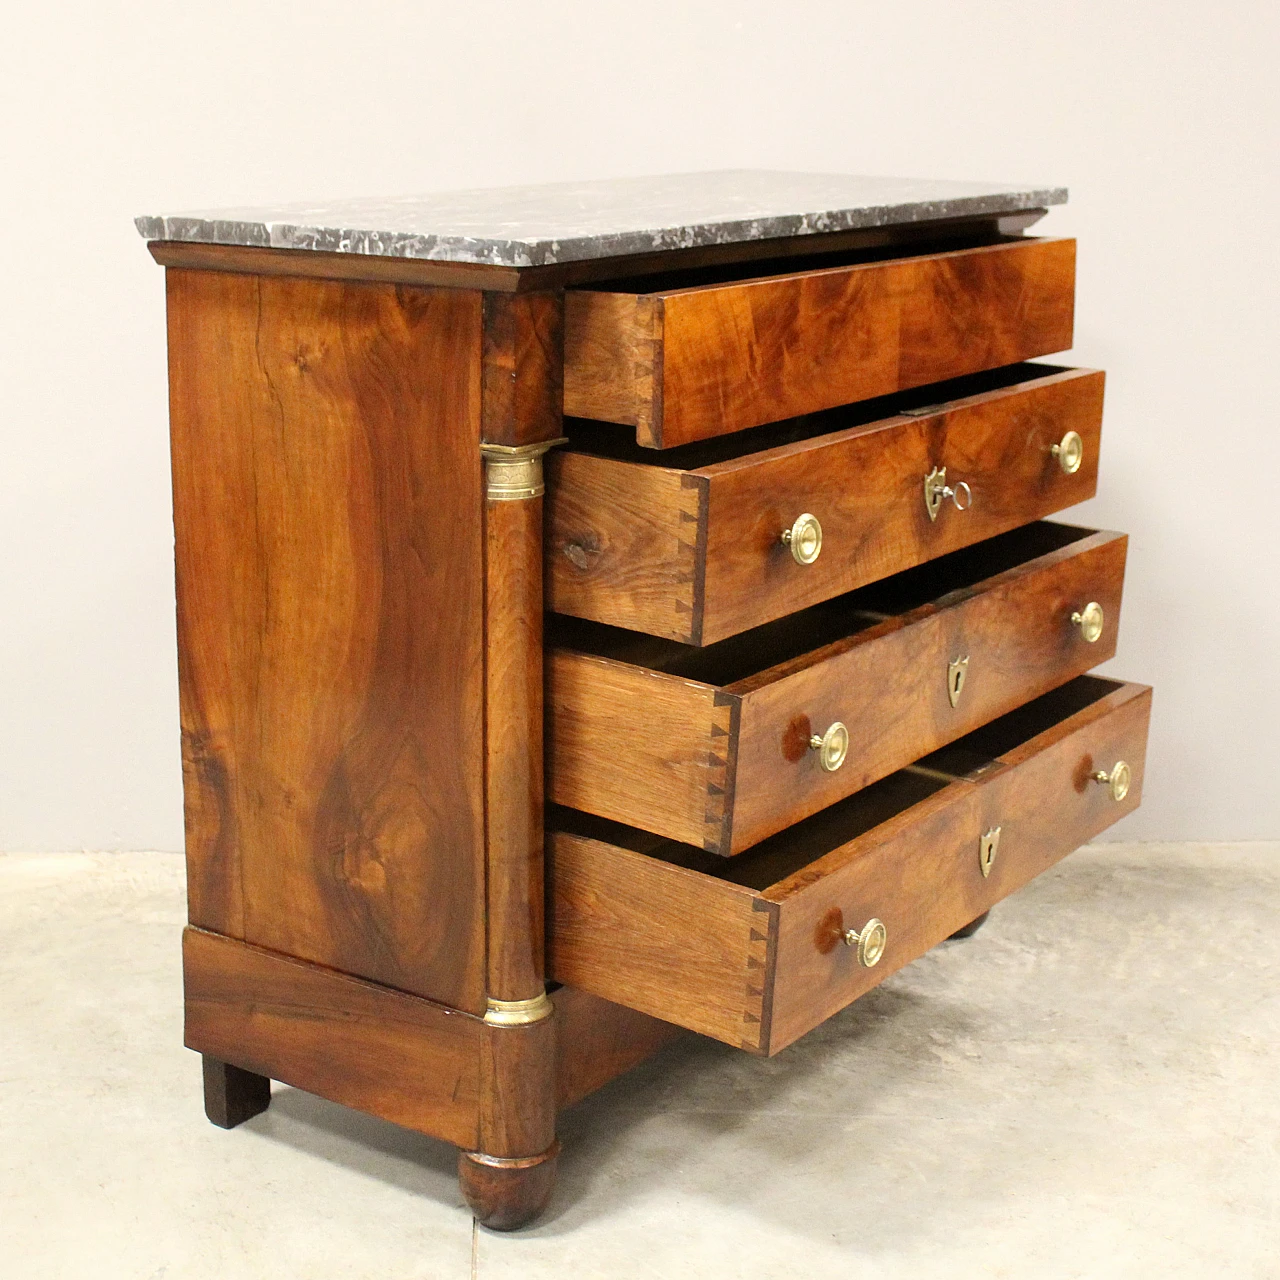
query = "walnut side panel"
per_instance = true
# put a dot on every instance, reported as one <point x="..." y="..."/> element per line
<point x="637" y="746"/>
<point x="657" y="938"/>
<point x="330" y="595"/>
<point x="380" y="1051"/>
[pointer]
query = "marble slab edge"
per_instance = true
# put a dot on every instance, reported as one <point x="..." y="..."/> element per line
<point x="539" y="253"/>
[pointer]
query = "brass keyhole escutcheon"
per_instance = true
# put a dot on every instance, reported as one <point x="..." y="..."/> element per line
<point x="936" y="489"/>
<point x="804" y="538"/>
<point x="832" y="747"/>
<point x="1117" y="781"/>
<point x="1090" y="620"/>
<point x="988" y="847"/>
<point x="957" y="671"/>
<point x="1069" y="452"/>
<point x="871" y="941"/>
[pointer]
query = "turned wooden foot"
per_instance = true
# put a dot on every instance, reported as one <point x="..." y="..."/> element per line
<point x="507" y="1192"/>
<point x="972" y="927"/>
<point x="233" y="1095"/>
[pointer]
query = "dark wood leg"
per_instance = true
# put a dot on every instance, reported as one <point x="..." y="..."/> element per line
<point x="231" y="1094"/>
<point x="972" y="927"/>
<point x="506" y="1192"/>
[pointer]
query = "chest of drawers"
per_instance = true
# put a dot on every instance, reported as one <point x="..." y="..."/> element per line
<point x="810" y="693"/>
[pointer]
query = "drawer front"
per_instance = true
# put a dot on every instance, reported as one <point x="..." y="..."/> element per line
<point x="689" y="364"/>
<point x="893" y="689"/>
<point x="758" y="968"/>
<point x="923" y="878"/>
<point x="723" y="767"/>
<point x="697" y="555"/>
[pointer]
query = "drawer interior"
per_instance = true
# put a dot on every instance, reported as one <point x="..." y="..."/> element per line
<point x="610" y="440"/>
<point x="790" y="852"/>
<point x="807" y="636"/>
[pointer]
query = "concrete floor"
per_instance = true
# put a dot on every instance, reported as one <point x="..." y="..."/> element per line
<point x="1090" y="1087"/>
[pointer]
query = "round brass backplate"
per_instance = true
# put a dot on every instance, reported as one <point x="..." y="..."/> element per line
<point x="1090" y="621"/>
<point x="1069" y="452"/>
<point x="804" y="538"/>
<point x="832" y="747"/>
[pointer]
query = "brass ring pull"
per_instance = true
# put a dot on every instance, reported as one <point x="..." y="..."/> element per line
<point x="1090" y="620"/>
<point x="804" y="538"/>
<point x="1069" y="452"/>
<point x="871" y="941"/>
<point x="936" y="489"/>
<point x="1117" y="781"/>
<point x="832" y="747"/>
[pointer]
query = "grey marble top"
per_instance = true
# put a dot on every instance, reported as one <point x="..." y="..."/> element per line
<point x="572" y="221"/>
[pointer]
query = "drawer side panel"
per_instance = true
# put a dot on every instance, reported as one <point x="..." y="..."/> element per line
<point x="659" y="939"/>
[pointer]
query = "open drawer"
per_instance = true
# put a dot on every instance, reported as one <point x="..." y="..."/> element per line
<point x="699" y="543"/>
<point x="686" y="361"/>
<point x="722" y="746"/>
<point x="758" y="950"/>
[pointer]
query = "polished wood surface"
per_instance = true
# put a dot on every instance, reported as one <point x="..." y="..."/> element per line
<point x="319" y="264"/>
<point x="625" y="544"/>
<point x="506" y="1193"/>
<point x="381" y="1051"/>
<point x="920" y="873"/>
<point x="231" y="1094"/>
<point x="597" y="1041"/>
<point x="667" y="941"/>
<point x="691" y="549"/>
<point x="513" y="749"/>
<point x="751" y="951"/>
<point x="523" y="362"/>
<point x="635" y="743"/>
<point x="330" y="595"/>
<point x="696" y="362"/>
<point x="711" y="746"/>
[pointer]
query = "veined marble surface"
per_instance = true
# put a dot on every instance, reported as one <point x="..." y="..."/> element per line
<point x="536" y="226"/>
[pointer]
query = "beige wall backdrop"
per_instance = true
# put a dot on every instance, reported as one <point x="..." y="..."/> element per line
<point x="1160" y="115"/>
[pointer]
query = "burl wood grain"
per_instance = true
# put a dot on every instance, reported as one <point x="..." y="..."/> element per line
<point x="667" y="939"/>
<point x="392" y="1055"/>
<point x="729" y="356"/>
<point x="330" y="595"/>
<point x="724" y="766"/>
<point x="696" y="554"/>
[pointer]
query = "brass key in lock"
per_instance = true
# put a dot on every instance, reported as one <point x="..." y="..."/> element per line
<point x="936" y="489"/>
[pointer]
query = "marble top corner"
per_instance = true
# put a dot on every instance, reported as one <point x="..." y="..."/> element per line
<point x="535" y="226"/>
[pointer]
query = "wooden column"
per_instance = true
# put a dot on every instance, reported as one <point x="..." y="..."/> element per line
<point x="508" y="1179"/>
